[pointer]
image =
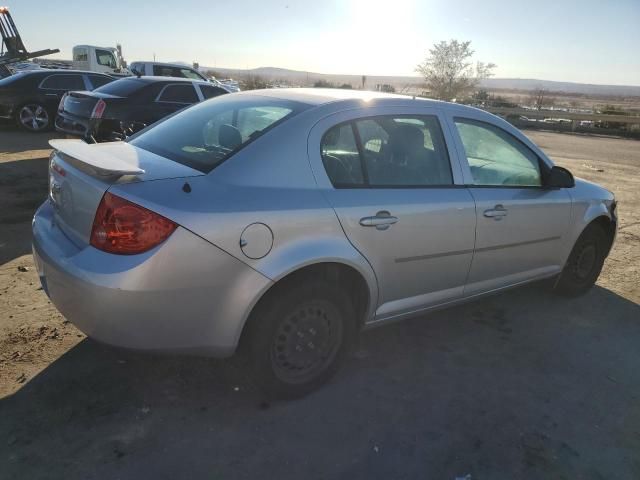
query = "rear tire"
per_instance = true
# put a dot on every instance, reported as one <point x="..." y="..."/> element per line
<point x="585" y="262"/>
<point x="298" y="336"/>
<point x="34" y="117"/>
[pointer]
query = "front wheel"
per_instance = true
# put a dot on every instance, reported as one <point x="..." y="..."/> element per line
<point x="298" y="336"/>
<point x="585" y="262"/>
<point x="34" y="117"/>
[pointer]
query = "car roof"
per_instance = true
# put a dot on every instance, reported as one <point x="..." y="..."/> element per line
<point x="323" y="96"/>
<point x="155" y="79"/>
<point x="320" y="96"/>
<point x="340" y="99"/>
<point x="164" y="64"/>
<point x="49" y="71"/>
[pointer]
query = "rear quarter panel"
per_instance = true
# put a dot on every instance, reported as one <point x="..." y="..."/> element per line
<point x="269" y="182"/>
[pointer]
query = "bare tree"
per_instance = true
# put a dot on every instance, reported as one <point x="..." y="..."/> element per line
<point x="540" y="98"/>
<point x="449" y="71"/>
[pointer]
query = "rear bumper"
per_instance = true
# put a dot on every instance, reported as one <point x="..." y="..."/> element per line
<point x="184" y="296"/>
<point x="72" y="125"/>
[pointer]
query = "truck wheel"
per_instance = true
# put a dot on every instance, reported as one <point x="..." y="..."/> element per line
<point x="298" y="336"/>
<point x="585" y="262"/>
<point x="34" y="117"/>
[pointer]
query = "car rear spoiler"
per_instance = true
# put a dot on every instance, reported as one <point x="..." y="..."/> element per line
<point x="99" y="157"/>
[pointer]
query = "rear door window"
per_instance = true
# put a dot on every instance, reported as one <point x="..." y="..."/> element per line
<point x="341" y="157"/>
<point x="184" y="93"/>
<point x="63" y="82"/>
<point x="99" y="80"/>
<point x="392" y="152"/>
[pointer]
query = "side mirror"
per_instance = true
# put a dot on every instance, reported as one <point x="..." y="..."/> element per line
<point x="560" y="178"/>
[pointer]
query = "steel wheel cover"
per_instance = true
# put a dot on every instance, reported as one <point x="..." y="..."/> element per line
<point x="306" y="342"/>
<point x="585" y="261"/>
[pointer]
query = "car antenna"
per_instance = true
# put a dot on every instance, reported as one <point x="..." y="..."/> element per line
<point x="186" y="188"/>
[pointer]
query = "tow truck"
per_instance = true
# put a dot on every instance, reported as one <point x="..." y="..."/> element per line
<point x="13" y="49"/>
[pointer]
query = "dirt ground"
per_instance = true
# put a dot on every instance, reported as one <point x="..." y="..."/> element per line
<point x="523" y="385"/>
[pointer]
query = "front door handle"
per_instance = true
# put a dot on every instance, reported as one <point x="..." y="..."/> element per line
<point x="382" y="220"/>
<point x="496" y="212"/>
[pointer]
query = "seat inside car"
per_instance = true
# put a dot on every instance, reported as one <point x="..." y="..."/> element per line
<point x="229" y="136"/>
<point x="402" y="158"/>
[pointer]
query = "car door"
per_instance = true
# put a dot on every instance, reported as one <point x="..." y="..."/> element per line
<point x="521" y="224"/>
<point x="54" y="86"/>
<point x="174" y="97"/>
<point x="398" y="196"/>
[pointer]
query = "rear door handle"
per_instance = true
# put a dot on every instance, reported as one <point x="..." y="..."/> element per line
<point x="496" y="212"/>
<point x="382" y="220"/>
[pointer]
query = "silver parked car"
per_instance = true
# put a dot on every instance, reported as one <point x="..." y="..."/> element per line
<point x="285" y="221"/>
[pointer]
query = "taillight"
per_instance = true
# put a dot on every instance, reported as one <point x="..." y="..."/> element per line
<point x="61" y="104"/>
<point x="98" y="110"/>
<point x="125" y="228"/>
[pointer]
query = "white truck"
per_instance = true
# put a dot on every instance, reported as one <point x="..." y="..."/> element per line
<point x="100" y="59"/>
<point x="109" y="60"/>
<point x="160" y="69"/>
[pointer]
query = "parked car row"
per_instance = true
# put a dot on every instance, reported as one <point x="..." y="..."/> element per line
<point x="32" y="97"/>
<point x="95" y="106"/>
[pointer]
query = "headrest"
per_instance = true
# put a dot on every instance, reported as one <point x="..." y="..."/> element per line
<point x="406" y="138"/>
<point x="229" y="136"/>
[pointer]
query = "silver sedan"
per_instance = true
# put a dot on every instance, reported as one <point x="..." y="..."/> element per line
<point x="285" y="221"/>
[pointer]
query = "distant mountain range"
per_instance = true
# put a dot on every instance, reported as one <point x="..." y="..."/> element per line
<point x="412" y="84"/>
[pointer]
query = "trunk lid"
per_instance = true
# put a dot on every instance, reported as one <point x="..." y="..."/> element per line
<point x="80" y="174"/>
<point x="81" y="104"/>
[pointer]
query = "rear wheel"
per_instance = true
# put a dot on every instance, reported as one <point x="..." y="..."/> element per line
<point x="298" y="336"/>
<point x="585" y="262"/>
<point x="34" y="117"/>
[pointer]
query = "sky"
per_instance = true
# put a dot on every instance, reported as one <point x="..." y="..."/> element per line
<point x="587" y="41"/>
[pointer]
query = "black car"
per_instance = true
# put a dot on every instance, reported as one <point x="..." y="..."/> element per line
<point x="125" y="106"/>
<point x="31" y="98"/>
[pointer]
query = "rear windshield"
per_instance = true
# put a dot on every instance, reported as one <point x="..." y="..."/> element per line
<point x="205" y="135"/>
<point x="122" y="88"/>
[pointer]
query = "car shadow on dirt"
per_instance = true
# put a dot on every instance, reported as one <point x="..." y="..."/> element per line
<point x="23" y="187"/>
<point x="520" y="385"/>
<point x="14" y="139"/>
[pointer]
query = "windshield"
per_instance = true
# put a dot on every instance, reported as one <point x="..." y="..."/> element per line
<point x="206" y="134"/>
<point x="106" y="58"/>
